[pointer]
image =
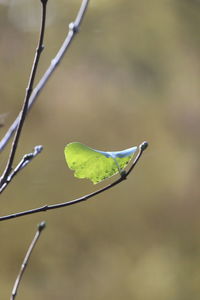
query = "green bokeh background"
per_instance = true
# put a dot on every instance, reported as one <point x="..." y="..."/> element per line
<point x="132" y="74"/>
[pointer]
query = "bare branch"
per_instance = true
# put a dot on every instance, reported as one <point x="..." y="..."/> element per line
<point x="124" y="175"/>
<point x="23" y="163"/>
<point x="29" y="89"/>
<point x="73" y="29"/>
<point x="40" y="228"/>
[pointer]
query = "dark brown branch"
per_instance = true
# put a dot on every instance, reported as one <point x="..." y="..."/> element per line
<point x="29" y="89"/>
<point x="124" y="175"/>
<point x="40" y="228"/>
<point x="73" y="29"/>
<point x="23" y="163"/>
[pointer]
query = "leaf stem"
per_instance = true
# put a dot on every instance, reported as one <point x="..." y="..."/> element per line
<point x="118" y="166"/>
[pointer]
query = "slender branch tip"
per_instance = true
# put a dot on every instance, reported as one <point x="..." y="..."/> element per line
<point x="38" y="148"/>
<point x="41" y="226"/>
<point x="24" y="264"/>
<point x="144" y="146"/>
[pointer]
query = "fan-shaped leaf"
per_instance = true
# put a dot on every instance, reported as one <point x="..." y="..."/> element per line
<point x="94" y="164"/>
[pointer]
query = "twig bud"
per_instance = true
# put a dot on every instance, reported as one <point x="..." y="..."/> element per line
<point x="41" y="226"/>
<point x="144" y="146"/>
<point x="73" y="27"/>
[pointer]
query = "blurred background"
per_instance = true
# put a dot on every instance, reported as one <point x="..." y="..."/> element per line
<point x="131" y="74"/>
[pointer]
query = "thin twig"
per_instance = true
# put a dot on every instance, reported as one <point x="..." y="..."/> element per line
<point x="29" y="90"/>
<point x="73" y="29"/>
<point x="40" y="228"/>
<point x="24" y="162"/>
<point x="124" y="175"/>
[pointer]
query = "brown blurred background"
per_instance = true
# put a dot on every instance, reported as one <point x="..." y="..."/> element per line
<point x="132" y="74"/>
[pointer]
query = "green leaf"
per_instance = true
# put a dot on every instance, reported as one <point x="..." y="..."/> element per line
<point x="94" y="164"/>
